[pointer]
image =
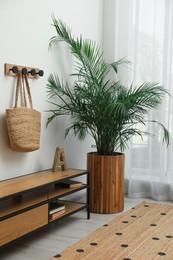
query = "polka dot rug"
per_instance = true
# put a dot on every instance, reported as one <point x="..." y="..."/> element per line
<point x="143" y="232"/>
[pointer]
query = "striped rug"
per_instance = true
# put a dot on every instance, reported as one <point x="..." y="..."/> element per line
<point x="143" y="232"/>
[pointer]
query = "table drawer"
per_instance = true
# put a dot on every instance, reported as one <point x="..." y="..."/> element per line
<point x="21" y="224"/>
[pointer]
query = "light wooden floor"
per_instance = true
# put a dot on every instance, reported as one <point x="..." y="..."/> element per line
<point x="51" y="240"/>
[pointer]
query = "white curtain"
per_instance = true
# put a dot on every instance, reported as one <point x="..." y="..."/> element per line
<point x="144" y="35"/>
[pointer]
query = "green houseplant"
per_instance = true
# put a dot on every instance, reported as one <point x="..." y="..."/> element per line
<point x="103" y="108"/>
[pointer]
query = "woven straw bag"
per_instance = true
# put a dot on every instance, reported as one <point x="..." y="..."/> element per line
<point x="23" y="123"/>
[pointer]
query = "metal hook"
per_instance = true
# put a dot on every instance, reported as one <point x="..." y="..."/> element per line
<point x="24" y="71"/>
<point x="14" y="69"/>
<point x="40" y="73"/>
<point x="32" y="72"/>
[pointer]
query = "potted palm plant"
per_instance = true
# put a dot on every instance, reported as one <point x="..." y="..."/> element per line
<point x="106" y="110"/>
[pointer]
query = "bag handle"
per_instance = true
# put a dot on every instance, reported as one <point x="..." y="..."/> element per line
<point x="28" y="90"/>
<point x="24" y="92"/>
<point x="20" y="89"/>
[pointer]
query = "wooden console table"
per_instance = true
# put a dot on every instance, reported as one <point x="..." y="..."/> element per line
<point x="25" y="201"/>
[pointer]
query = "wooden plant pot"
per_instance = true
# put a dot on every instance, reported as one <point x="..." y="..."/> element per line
<point x="106" y="182"/>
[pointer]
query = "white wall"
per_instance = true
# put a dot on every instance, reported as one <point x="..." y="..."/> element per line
<point x="26" y="28"/>
<point x="109" y="29"/>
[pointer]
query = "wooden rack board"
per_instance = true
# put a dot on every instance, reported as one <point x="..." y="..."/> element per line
<point x="8" y="70"/>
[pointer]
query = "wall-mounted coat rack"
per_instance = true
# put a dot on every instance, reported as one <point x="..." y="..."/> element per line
<point x="12" y="70"/>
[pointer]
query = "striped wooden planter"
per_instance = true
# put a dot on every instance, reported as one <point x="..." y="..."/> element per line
<point x="106" y="182"/>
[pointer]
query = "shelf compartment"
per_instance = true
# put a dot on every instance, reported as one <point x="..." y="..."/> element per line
<point x="70" y="208"/>
<point x="60" y="192"/>
<point x="22" y="202"/>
